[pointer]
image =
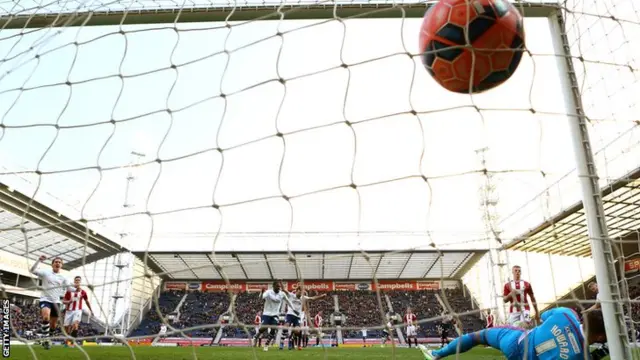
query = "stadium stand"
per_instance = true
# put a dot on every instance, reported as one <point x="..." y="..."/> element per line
<point x="167" y="304"/>
<point x="26" y="321"/>
<point x="361" y="309"/>
<point x="201" y="308"/>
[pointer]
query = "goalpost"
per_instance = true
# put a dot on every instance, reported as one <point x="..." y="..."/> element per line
<point x="88" y="84"/>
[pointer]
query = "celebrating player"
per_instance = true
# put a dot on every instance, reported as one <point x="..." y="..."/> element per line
<point x="412" y="332"/>
<point x="517" y="292"/>
<point x="294" y="312"/>
<point x="272" y="303"/>
<point x="558" y="337"/>
<point x="73" y="305"/>
<point x="54" y="286"/>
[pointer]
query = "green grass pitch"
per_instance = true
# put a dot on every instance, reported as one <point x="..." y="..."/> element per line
<point x="230" y="353"/>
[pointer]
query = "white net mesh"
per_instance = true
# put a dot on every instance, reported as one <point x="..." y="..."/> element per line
<point x="219" y="151"/>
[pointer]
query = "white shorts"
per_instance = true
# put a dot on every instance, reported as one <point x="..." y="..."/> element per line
<point x="257" y="329"/>
<point x="516" y="316"/>
<point x="72" y="316"/>
<point x="411" y="331"/>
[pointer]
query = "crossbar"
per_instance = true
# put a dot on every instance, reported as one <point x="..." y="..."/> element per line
<point x="238" y="13"/>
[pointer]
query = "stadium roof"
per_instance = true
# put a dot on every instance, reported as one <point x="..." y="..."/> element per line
<point x="48" y="232"/>
<point x="315" y="265"/>
<point x="566" y="233"/>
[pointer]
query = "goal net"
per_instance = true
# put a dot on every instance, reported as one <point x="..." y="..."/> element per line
<point x="248" y="142"/>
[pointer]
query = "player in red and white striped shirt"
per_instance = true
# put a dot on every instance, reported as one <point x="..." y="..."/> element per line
<point x="73" y="307"/>
<point x="517" y="292"/>
<point x="317" y="324"/>
<point x="490" y="319"/>
<point x="412" y="331"/>
<point x="257" y="321"/>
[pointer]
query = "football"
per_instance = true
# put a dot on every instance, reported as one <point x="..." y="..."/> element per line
<point x="470" y="46"/>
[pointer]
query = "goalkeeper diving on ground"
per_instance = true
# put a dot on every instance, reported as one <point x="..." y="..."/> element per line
<point x="559" y="337"/>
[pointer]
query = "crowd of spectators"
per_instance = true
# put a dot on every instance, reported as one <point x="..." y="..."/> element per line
<point x="202" y="308"/>
<point x="167" y="303"/>
<point x="361" y="309"/>
<point x="248" y="304"/>
<point x="326" y="305"/>
<point x="26" y="321"/>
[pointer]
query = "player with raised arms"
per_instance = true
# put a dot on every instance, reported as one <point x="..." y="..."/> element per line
<point x="73" y="304"/>
<point x="559" y="337"/>
<point x="272" y="303"/>
<point x="517" y="292"/>
<point x="298" y="301"/>
<point x="54" y="286"/>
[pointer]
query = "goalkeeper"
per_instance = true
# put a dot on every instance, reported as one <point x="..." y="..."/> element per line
<point x="558" y="337"/>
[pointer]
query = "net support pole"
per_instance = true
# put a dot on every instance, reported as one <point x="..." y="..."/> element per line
<point x="601" y="249"/>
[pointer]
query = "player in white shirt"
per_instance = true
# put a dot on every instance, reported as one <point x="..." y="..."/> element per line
<point x="364" y="337"/>
<point x="412" y="334"/>
<point x="273" y="299"/>
<point x="54" y="287"/>
<point x="163" y="331"/>
<point x="387" y="333"/>
<point x="294" y="311"/>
